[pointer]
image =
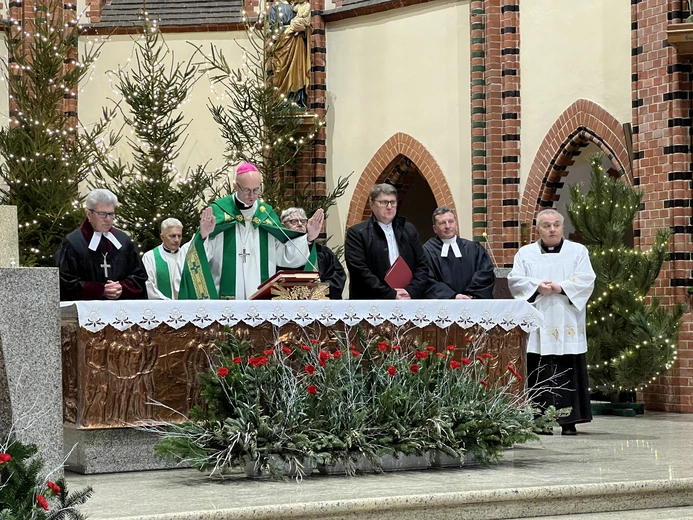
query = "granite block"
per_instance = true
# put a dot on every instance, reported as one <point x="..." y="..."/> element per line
<point x="9" y="238"/>
<point x="111" y="450"/>
<point x="31" y="365"/>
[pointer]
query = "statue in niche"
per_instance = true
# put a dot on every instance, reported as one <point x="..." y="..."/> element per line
<point x="290" y="57"/>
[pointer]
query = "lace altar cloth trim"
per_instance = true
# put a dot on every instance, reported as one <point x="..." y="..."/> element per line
<point x="148" y="314"/>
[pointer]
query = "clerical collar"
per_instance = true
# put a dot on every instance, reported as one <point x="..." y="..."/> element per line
<point x="551" y="249"/>
<point x="450" y="243"/>
<point x="173" y="252"/>
<point x="95" y="238"/>
<point x="240" y="204"/>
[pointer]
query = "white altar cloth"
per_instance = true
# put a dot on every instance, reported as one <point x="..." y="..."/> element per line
<point x="148" y="314"/>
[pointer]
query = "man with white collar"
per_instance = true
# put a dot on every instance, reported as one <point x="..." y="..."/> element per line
<point x="164" y="263"/>
<point x="240" y="242"/>
<point x="97" y="261"/>
<point x="461" y="269"/>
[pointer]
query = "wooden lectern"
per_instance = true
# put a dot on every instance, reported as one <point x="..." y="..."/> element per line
<point x="293" y="285"/>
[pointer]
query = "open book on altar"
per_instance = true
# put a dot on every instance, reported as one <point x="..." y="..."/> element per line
<point x="292" y="285"/>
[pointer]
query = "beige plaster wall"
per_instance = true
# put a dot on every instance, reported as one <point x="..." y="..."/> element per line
<point x="204" y="142"/>
<point x="407" y="71"/>
<point x="570" y="51"/>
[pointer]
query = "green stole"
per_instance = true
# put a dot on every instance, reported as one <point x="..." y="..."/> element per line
<point x="163" y="276"/>
<point x="197" y="282"/>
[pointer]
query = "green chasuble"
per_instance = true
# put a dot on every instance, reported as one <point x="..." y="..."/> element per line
<point x="197" y="281"/>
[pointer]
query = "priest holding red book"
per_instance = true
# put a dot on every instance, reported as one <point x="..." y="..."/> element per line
<point x="385" y="248"/>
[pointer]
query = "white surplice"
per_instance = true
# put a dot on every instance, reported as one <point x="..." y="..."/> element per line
<point x="563" y="330"/>
<point x="175" y="262"/>
<point x="293" y="253"/>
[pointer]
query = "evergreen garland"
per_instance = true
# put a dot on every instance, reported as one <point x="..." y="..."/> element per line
<point x="630" y="340"/>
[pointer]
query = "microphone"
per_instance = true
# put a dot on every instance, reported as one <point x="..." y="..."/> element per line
<point x="489" y="249"/>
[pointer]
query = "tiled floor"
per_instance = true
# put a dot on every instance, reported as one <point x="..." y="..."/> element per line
<point x="608" y="453"/>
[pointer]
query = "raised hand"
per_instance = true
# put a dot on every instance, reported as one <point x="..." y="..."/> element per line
<point x="315" y="224"/>
<point x="207" y="223"/>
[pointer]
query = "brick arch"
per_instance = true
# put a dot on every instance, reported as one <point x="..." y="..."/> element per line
<point x="582" y="123"/>
<point x="388" y="155"/>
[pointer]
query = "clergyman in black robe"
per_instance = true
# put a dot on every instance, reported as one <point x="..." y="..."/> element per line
<point x="98" y="262"/>
<point x="459" y="268"/>
<point x="329" y="267"/>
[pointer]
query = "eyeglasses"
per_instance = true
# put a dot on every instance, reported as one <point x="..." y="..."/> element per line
<point x="104" y="215"/>
<point x="248" y="191"/>
<point x="386" y="203"/>
<point x="297" y="221"/>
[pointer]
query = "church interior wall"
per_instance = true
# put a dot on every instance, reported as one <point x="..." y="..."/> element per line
<point x="406" y="71"/>
<point x="204" y="141"/>
<point x="582" y="52"/>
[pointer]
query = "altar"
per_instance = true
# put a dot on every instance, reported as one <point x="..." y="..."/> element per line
<point x="129" y="362"/>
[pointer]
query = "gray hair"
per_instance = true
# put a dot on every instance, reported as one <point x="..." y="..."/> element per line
<point x="548" y="212"/>
<point x="384" y="189"/>
<point x="169" y="223"/>
<point x="441" y="211"/>
<point x="290" y="211"/>
<point x="102" y="196"/>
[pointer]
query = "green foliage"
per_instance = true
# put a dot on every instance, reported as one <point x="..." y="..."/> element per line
<point x="151" y="189"/>
<point x="22" y="490"/>
<point x="45" y="155"/>
<point x="370" y="398"/>
<point x="629" y="341"/>
<point x="265" y="128"/>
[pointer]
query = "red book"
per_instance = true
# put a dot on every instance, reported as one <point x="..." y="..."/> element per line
<point x="399" y="275"/>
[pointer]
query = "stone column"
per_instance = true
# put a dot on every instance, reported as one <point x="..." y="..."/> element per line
<point x="30" y="360"/>
<point x="9" y="241"/>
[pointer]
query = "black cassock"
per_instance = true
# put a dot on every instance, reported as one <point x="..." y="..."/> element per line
<point x="471" y="274"/>
<point x="330" y="270"/>
<point x="82" y="275"/>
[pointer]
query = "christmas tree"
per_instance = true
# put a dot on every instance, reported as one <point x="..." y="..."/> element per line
<point x="151" y="189"/>
<point x="631" y="337"/>
<point x="45" y="152"/>
<point x="262" y="126"/>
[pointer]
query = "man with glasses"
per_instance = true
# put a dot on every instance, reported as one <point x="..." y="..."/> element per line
<point x="97" y="261"/>
<point x="240" y="242"/>
<point x="321" y="257"/>
<point x="372" y="246"/>
<point x="556" y="276"/>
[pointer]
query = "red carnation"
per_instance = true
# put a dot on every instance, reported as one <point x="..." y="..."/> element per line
<point x="323" y="356"/>
<point x="42" y="502"/>
<point x="450" y="347"/>
<point x="286" y="350"/>
<point x="480" y="359"/>
<point x="430" y="348"/>
<point x="305" y="347"/>
<point x="55" y="488"/>
<point x="268" y="352"/>
<point x="258" y="361"/>
<point x="5" y="457"/>
<point x="466" y="360"/>
<point x="484" y="382"/>
<point x="421" y="355"/>
<point x="312" y="389"/>
<point x="414" y="368"/>
<point x="487" y="355"/>
<point x="382" y="346"/>
<point x="396" y="347"/>
<point x="310" y="369"/>
<point x="337" y="354"/>
<point x="392" y="370"/>
<point x="355" y="353"/>
<point x="440" y="354"/>
<point x="468" y="340"/>
<point x="222" y="372"/>
<point x="237" y="359"/>
<point x="314" y="341"/>
<point x="455" y="364"/>
<point x="514" y="372"/>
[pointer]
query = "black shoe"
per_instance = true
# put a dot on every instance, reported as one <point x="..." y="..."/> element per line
<point x="568" y="429"/>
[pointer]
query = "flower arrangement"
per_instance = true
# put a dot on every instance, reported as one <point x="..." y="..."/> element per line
<point x="24" y="495"/>
<point x="369" y="397"/>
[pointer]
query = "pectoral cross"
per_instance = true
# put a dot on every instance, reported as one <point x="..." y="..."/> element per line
<point x="244" y="254"/>
<point x="105" y="266"/>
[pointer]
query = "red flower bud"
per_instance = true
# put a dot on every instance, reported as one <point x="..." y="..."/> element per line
<point x="222" y="372"/>
<point x="286" y="350"/>
<point x="421" y="355"/>
<point x="312" y="389"/>
<point x="382" y="346"/>
<point x="440" y="354"/>
<point x="450" y="347"/>
<point x="392" y="370"/>
<point x="355" y="353"/>
<point x="414" y="368"/>
<point x="337" y="354"/>
<point x="305" y="347"/>
<point x="430" y="348"/>
<point x="396" y="347"/>
<point x="268" y="352"/>
<point x="42" y="502"/>
<point x="455" y="364"/>
<point x="5" y="457"/>
<point x="487" y="355"/>
<point x="257" y="361"/>
<point x="55" y="488"/>
<point x="314" y="341"/>
<point x="484" y="382"/>
<point x="466" y="360"/>
<point x="310" y="369"/>
<point x="468" y="340"/>
<point x="237" y="359"/>
<point x="323" y="356"/>
<point x="480" y="359"/>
